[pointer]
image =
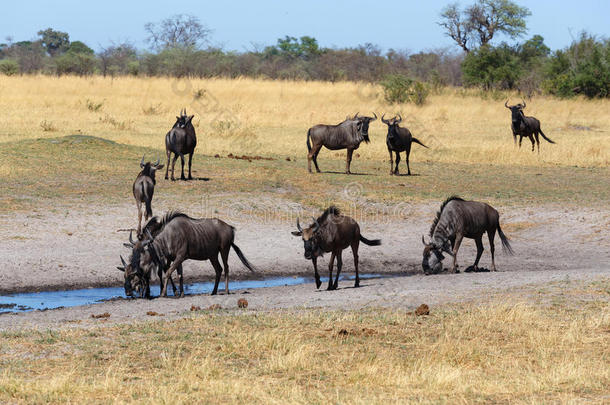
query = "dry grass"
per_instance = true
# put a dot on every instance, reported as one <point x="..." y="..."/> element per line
<point x="496" y="352"/>
<point x="271" y="118"/>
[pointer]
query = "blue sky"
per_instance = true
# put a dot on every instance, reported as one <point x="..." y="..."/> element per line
<point x="236" y="25"/>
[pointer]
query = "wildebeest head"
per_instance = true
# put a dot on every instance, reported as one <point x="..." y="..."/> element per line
<point x="137" y="271"/>
<point x="516" y="110"/>
<point x="183" y="120"/>
<point x="433" y="256"/>
<point x="149" y="169"/>
<point x="310" y="237"/>
<point x="365" y="122"/>
<point x="392" y="124"/>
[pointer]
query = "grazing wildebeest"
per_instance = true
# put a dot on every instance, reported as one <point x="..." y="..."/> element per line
<point x="525" y="126"/>
<point x="399" y="140"/>
<point x="144" y="188"/>
<point x="181" y="238"/>
<point x="181" y="140"/>
<point x="345" y="135"/>
<point x="332" y="232"/>
<point x="459" y="219"/>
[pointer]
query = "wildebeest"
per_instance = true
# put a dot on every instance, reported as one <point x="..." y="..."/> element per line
<point x="525" y="126"/>
<point x="180" y="238"/>
<point x="332" y="232"/>
<point x="458" y="219"/>
<point x="181" y="140"/>
<point x="144" y="188"/>
<point x="345" y="135"/>
<point x="399" y="140"/>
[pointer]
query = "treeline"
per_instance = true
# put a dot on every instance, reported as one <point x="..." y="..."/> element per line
<point x="179" y="49"/>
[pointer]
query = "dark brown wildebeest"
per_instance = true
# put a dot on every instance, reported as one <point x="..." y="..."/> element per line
<point x="144" y="188"/>
<point x="332" y="232"/>
<point x="525" y="126"/>
<point x="180" y="238"/>
<point x="345" y="135"/>
<point x="399" y="140"/>
<point x="181" y="140"/>
<point x="458" y="219"/>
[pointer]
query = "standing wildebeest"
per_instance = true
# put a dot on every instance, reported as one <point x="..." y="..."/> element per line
<point x="181" y="238"/>
<point x="345" y="135"/>
<point x="144" y="188"/>
<point x="525" y="126"/>
<point x="399" y="140"/>
<point x="459" y="219"/>
<point x="181" y="140"/>
<point x="332" y="232"/>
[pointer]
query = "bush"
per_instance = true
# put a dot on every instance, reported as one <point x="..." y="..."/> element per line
<point x="9" y="67"/>
<point x="400" y="89"/>
<point x="492" y="67"/>
<point x="75" y="63"/>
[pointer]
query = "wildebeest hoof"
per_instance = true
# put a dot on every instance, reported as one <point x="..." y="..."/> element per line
<point x="318" y="283"/>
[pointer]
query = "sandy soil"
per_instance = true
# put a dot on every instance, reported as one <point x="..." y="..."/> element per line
<point x="78" y="247"/>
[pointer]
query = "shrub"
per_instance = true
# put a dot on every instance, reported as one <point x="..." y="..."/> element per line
<point x="401" y="89"/>
<point x="9" y="67"/>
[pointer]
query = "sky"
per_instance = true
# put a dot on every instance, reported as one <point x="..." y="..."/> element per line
<point x="242" y="25"/>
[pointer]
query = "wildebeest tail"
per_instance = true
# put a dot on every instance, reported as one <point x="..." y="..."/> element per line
<point x="243" y="258"/>
<point x="414" y="139"/>
<point x="374" y="242"/>
<point x="544" y="136"/>
<point x="147" y="201"/>
<point x="505" y="244"/>
<point x="308" y="144"/>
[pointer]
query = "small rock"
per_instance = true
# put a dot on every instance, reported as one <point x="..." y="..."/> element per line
<point x="100" y="316"/>
<point x="153" y="313"/>
<point x="217" y="155"/>
<point x="214" y="307"/>
<point x="287" y="159"/>
<point x="423" y="309"/>
<point x="195" y="308"/>
<point x="242" y="303"/>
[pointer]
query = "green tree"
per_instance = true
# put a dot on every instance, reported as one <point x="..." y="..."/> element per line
<point x="54" y="42"/>
<point x="80" y="47"/>
<point x="478" y="24"/>
<point x="9" y="67"/>
<point x="492" y="67"/>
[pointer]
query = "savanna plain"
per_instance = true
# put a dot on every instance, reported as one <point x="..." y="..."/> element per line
<point x="536" y="331"/>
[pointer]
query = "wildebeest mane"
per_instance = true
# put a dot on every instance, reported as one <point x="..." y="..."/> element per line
<point x="332" y="210"/>
<point x="439" y="212"/>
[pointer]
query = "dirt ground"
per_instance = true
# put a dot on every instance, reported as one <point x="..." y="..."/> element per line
<point x="79" y="247"/>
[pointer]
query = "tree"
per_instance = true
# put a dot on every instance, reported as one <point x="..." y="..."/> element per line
<point x="492" y="67"/>
<point x="178" y="31"/>
<point x="54" y="42"/>
<point x="80" y="47"/>
<point x="478" y="24"/>
<point x="118" y="58"/>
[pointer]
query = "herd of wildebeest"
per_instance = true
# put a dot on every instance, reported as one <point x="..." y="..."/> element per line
<point x="165" y="242"/>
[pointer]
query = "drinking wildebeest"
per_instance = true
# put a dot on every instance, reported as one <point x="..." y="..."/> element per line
<point x="399" y="140"/>
<point x="144" y="188"/>
<point x="345" y="135"/>
<point x="181" y="140"/>
<point x="181" y="238"/>
<point x="459" y="219"/>
<point x="332" y="232"/>
<point x="525" y="126"/>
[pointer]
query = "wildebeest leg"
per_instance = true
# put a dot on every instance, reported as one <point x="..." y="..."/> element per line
<point x="168" y="274"/>
<point x="491" y="234"/>
<point x="218" y="269"/>
<point x="537" y="141"/>
<point x="515" y="139"/>
<point x="456" y="247"/>
<point x="224" y="255"/>
<point x="181" y="282"/>
<point x="355" y="245"/>
<point x="391" y="162"/>
<point x="190" y="163"/>
<point x="139" y="204"/>
<point x="330" y="271"/>
<point x="396" y="171"/>
<point x="533" y="142"/>
<point x="339" y="267"/>
<point x="169" y="154"/>
<point x="182" y="161"/>
<point x="408" y="152"/>
<point x="174" y="165"/>
<point x="520" y="140"/>
<point x="314" y="260"/>
<point x="480" y="250"/>
<point x="313" y="155"/>
<point x="348" y="161"/>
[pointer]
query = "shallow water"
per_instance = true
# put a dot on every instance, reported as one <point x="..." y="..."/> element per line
<point x="23" y="302"/>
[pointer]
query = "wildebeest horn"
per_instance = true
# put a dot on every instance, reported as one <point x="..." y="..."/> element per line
<point x="299" y="225"/>
<point x="375" y="115"/>
<point x="148" y="234"/>
<point x="158" y="161"/>
<point x="523" y="103"/>
<point x="384" y="120"/>
<point x="317" y="225"/>
<point x="423" y="240"/>
<point x="142" y="162"/>
<point x="400" y="119"/>
<point x="131" y="238"/>
<point x="506" y="104"/>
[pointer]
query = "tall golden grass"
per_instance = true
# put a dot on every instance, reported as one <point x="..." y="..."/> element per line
<point x="272" y="117"/>
<point x="493" y="353"/>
